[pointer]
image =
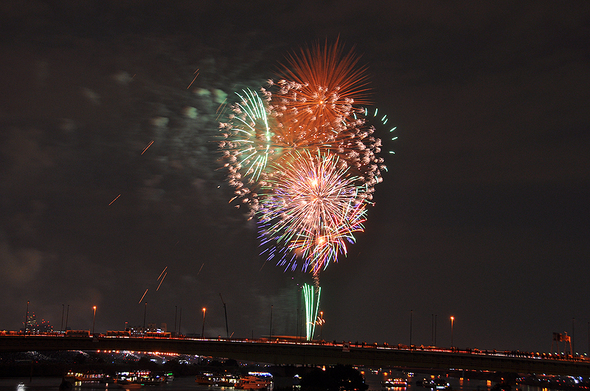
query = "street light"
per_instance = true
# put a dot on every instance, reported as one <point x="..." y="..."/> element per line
<point x="144" y="315"/>
<point x="452" y="324"/>
<point x="203" y="329"/>
<point x="63" y="310"/>
<point x="27" y="316"/>
<point x="411" y="318"/>
<point x="93" y="319"/>
<point x="270" y="328"/>
<point x="179" y="320"/>
<point x="175" y="317"/>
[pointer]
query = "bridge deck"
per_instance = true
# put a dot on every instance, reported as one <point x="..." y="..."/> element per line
<point x="303" y="353"/>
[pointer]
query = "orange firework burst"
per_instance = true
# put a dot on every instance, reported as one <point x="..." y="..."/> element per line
<point x="316" y="96"/>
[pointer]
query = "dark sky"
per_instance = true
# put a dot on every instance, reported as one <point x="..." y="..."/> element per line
<point x="483" y="215"/>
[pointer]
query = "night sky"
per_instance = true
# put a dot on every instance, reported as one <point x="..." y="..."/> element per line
<point x="483" y="214"/>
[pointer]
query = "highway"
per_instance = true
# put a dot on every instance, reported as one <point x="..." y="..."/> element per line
<point x="304" y="353"/>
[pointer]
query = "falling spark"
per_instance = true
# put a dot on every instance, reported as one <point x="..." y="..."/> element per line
<point x="160" y="276"/>
<point x="196" y="73"/>
<point x="115" y="199"/>
<point x="162" y="280"/>
<point x="144" y="293"/>
<point x="201" y="268"/>
<point x="149" y="145"/>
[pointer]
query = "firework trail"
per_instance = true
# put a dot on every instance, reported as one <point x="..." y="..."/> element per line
<point x="116" y="198"/>
<point x="161" y="277"/>
<point x="144" y="293"/>
<point x="302" y="157"/>
<point x="311" y="297"/>
<point x="146" y="148"/>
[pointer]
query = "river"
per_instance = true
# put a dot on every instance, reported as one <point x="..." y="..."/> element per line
<point x="188" y="383"/>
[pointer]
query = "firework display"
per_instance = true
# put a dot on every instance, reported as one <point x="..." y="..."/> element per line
<point x="303" y="159"/>
<point x="311" y="207"/>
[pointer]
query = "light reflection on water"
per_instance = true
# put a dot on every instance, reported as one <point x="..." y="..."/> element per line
<point x="188" y="383"/>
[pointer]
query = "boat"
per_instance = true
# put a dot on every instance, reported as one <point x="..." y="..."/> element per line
<point x="137" y="379"/>
<point x="205" y="379"/>
<point x="88" y="378"/>
<point x="131" y="386"/>
<point x="395" y="383"/>
<point x="251" y="382"/>
<point x="220" y="380"/>
<point x="441" y="384"/>
<point x="435" y="384"/>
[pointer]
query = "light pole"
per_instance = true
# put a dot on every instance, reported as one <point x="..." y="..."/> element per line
<point x="225" y="311"/>
<point x="573" y="336"/>
<point x="435" y="321"/>
<point x="203" y="328"/>
<point x="270" y="330"/>
<point x="297" y="323"/>
<point x="321" y="323"/>
<point x="179" y="320"/>
<point x="432" y="329"/>
<point x="144" y="315"/>
<point x="175" y="317"/>
<point x="63" y="308"/>
<point x="27" y="316"/>
<point x="411" y="316"/>
<point x="93" y="319"/>
<point x="452" y="324"/>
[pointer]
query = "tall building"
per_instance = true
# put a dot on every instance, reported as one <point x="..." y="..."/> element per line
<point x="34" y="327"/>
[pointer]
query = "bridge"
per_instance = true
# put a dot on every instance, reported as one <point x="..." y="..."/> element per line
<point x="304" y="353"/>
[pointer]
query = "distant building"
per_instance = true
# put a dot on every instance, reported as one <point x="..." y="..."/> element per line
<point x="34" y="327"/>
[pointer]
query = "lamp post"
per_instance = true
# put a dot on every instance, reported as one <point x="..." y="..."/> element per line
<point x="270" y="329"/>
<point x="93" y="318"/>
<point x="432" y="329"/>
<point x="175" y="317"/>
<point x="452" y="324"/>
<point x="411" y="318"/>
<point x="179" y="320"/>
<point x="63" y="308"/>
<point x="203" y="328"/>
<point x="144" y="315"/>
<point x="297" y="323"/>
<point x="321" y="323"/>
<point x="435" y="321"/>
<point x="27" y="316"/>
<point x="573" y="336"/>
<point x="225" y="312"/>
